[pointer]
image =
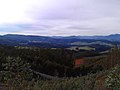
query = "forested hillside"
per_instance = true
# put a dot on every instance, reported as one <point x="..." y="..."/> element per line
<point x="22" y="67"/>
<point x="48" y="61"/>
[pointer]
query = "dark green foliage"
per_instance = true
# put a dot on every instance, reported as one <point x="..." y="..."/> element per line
<point x="15" y="69"/>
<point x="17" y="64"/>
<point x="41" y="60"/>
<point x="48" y="61"/>
<point x="113" y="57"/>
<point x="113" y="79"/>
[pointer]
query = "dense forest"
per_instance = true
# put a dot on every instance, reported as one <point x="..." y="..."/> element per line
<point x="48" y="61"/>
<point x="32" y="65"/>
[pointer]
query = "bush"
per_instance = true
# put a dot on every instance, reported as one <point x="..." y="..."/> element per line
<point x="113" y="79"/>
<point x="15" y="69"/>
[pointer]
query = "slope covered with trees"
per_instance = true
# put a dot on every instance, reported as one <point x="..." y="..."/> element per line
<point x="22" y="68"/>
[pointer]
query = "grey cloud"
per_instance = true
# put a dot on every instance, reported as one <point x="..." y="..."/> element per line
<point x="78" y="9"/>
<point x="71" y="17"/>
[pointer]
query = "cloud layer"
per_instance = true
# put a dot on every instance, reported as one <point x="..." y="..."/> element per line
<point x="67" y="17"/>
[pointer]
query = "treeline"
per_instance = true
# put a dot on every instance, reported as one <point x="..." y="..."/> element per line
<point x="49" y="61"/>
<point x="55" y="62"/>
<point x="59" y="62"/>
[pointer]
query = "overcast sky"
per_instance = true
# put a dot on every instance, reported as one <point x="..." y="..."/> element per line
<point x="60" y="17"/>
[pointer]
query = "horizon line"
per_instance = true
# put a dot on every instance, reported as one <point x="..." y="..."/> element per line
<point x="57" y="35"/>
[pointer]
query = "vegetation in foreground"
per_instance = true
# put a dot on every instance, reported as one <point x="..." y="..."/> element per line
<point x="105" y="80"/>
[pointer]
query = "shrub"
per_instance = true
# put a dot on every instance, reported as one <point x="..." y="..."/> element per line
<point x="113" y="79"/>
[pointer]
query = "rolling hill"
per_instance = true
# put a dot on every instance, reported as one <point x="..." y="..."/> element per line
<point x="99" y="43"/>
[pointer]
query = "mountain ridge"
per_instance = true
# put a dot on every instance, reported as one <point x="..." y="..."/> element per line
<point x="98" y="42"/>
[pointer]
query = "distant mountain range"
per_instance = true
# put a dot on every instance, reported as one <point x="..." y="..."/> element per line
<point x="60" y="41"/>
<point x="112" y="37"/>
